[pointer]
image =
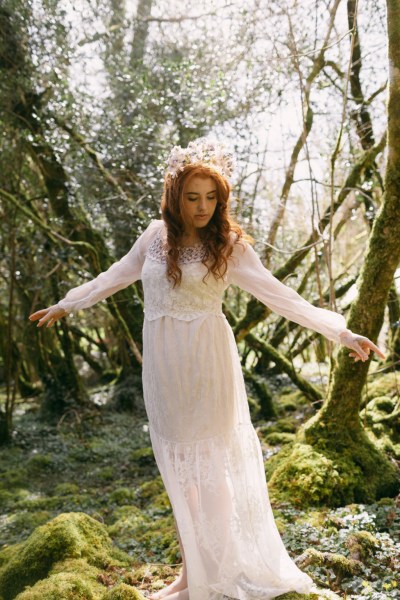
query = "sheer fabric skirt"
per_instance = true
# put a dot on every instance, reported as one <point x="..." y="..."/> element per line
<point x="210" y="460"/>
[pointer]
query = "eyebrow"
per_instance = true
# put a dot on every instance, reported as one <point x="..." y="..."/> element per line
<point x="197" y="193"/>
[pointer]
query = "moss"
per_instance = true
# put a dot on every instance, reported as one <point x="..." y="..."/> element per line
<point x="24" y="521"/>
<point x="284" y="425"/>
<point x="66" y="489"/>
<point x="122" y="592"/>
<point x="276" y="438"/>
<point x="377" y="408"/>
<point x="254" y="407"/>
<point x="73" y="535"/>
<point x="126" y="518"/>
<point x="13" y="496"/>
<point x="383" y="404"/>
<point x="320" y="595"/>
<point x="7" y="553"/>
<point x="385" y="502"/>
<point x="142" y="463"/>
<point x="383" y="433"/>
<point x="14" y="478"/>
<point x="122" y="496"/>
<point x="301" y="474"/>
<point x="384" y="385"/>
<point x="106" y="473"/>
<point x="46" y="503"/>
<point x="323" y="467"/>
<point x="68" y="580"/>
<point x="290" y="397"/>
<point x="341" y="565"/>
<point x="362" y="545"/>
<point x="152" y="493"/>
<point x="143" y="456"/>
<point x="39" y="463"/>
<point x="64" y="586"/>
<point x="150" y="576"/>
<point x="289" y="406"/>
<point x="156" y="536"/>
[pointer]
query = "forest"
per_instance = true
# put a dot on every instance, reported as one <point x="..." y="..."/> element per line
<point x="93" y="95"/>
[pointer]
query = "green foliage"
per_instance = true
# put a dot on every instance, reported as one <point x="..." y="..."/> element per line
<point x="137" y="515"/>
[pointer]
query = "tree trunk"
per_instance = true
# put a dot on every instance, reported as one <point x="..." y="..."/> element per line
<point x="341" y="462"/>
<point x="25" y="113"/>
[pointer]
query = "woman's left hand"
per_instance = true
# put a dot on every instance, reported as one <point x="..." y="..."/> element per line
<point x="360" y="345"/>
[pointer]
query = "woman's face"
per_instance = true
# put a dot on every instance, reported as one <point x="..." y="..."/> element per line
<point x="198" y="203"/>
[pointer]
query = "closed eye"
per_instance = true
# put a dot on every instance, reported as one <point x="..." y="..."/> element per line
<point x="208" y="198"/>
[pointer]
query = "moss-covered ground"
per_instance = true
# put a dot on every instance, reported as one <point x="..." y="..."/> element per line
<point x="84" y="514"/>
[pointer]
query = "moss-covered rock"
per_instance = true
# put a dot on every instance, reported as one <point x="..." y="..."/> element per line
<point x="362" y="545"/>
<point x="69" y="535"/>
<point x="73" y="579"/>
<point x="384" y="431"/>
<point x="321" y="467"/>
<point x="384" y="385"/>
<point x="300" y="474"/>
<point x="122" y="592"/>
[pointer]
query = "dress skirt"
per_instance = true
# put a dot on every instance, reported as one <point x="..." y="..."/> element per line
<point x="210" y="460"/>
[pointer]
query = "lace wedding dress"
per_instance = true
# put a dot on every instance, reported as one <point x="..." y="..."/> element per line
<point x="205" y="445"/>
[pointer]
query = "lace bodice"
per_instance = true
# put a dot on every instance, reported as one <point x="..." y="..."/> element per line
<point x="158" y="251"/>
<point x="193" y="297"/>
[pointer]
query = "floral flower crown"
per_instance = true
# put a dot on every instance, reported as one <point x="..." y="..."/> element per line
<point x="202" y="150"/>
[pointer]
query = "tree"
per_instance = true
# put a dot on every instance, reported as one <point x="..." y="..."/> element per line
<point x="348" y="467"/>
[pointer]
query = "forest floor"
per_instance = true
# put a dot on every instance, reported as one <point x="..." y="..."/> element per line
<point x="100" y="463"/>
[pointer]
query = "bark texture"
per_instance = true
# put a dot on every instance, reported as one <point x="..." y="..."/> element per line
<point x="357" y="470"/>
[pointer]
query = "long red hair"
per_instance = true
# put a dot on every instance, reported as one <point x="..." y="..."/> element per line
<point x="216" y="235"/>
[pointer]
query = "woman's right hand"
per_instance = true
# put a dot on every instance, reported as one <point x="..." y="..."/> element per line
<point x="51" y="314"/>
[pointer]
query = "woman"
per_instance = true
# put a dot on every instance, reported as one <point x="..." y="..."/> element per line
<point x="204" y="443"/>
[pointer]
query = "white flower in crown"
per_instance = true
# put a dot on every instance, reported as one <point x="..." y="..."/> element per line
<point x="201" y="150"/>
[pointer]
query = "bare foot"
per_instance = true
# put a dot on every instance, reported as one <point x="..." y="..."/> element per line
<point x="178" y="585"/>
<point x="181" y="595"/>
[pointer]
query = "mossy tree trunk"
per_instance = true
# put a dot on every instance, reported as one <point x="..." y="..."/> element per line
<point x="393" y="358"/>
<point x="27" y="114"/>
<point x="346" y="466"/>
<point x="381" y="261"/>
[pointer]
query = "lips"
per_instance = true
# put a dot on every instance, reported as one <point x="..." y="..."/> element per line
<point x="201" y="216"/>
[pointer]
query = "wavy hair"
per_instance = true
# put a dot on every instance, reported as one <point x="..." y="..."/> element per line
<point x="216" y="235"/>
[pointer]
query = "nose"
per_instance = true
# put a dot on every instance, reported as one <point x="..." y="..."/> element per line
<point x="202" y="205"/>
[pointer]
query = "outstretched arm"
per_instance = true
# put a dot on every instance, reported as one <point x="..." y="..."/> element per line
<point x="247" y="271"/>
<point x="121" y="274"/>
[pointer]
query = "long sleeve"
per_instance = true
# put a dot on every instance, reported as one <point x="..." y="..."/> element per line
<point x="121" y="274"/>
<point x="247" y="271"/>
